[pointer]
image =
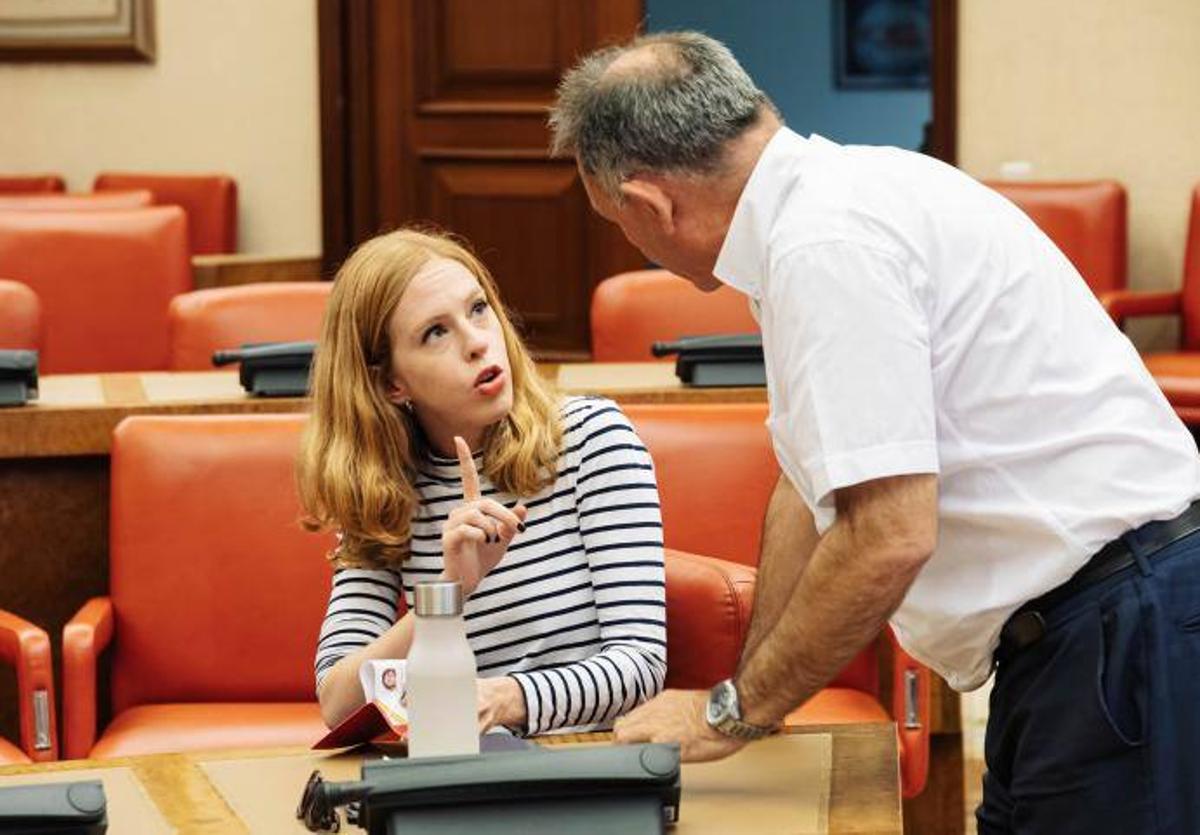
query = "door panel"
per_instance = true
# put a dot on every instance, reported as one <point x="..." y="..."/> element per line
<point x="501" y="201"/>
<point x="434" y="112"/>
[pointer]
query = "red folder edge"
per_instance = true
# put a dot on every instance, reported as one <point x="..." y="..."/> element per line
<point x="370" y="723"/>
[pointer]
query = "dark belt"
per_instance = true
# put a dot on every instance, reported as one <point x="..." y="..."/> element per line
<point x="1028" y="623"/>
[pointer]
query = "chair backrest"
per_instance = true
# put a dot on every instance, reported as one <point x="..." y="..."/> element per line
<point x="1086" y="220"/>
<point x="104" y="280"/>
<point x="30" y="183"/>
<point x="218" y="593"/>
<point x="632" y="310"/>
<point x="204" y="321"/>
<point x="20" y="316"/>
<point x="94" y="201"/>
<point x="210" y="201"/>
<point x="1191" y="277"/>
<point x="716" y="470"/>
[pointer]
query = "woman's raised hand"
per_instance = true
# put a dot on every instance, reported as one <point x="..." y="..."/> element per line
<point x="478" y="531"/>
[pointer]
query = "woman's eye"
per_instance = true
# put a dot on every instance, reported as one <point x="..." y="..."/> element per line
<point x="432" y="332"/>
<point x="479" y="306"/>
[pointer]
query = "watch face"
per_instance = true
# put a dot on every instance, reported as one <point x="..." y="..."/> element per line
<point x="721" y="700"/>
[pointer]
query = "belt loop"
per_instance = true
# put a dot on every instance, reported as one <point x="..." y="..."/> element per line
<point x="1138" y="550"/>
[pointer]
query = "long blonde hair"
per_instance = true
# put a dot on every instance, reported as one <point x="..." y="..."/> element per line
<point x="359" y="455"/>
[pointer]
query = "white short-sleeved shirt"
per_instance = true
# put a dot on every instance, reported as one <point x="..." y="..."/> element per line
<point x="914" y="321"/>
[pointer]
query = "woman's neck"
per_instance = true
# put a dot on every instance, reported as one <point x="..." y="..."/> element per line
<point x="440" y="440"/>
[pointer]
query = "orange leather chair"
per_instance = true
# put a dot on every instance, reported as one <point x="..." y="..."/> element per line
<point x="217" y="596"/>
<point x="104" y="280"/>
<point x="1176" y="372"/>
<point x="1086" y="220"/>
<point x="633" y="310"/>
<point x="27" y="648"/>
<point x="27" y="183"/>
<point x="216" y="593"/>
<point x="716" y="472"/>
<point x="204" y="321"/>
<point x="76" y="202"/>
<point x="20" y="316"/>
<point x="210" y="201"/>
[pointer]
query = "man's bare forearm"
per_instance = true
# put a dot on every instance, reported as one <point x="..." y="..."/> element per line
<point x="857" y="576"/>
<point x="789" y="537"/>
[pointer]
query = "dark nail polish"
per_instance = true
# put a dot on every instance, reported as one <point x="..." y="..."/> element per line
<point x="521" y="527"/>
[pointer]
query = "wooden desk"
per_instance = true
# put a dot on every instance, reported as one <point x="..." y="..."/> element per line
<point x="863" y="789"/>
<point x="76" y="413"/>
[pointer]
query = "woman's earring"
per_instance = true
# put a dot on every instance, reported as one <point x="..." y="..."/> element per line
<point x="407" y="406"/>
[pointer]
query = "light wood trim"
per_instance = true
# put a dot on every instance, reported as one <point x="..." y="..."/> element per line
<point x="230" y="270"/>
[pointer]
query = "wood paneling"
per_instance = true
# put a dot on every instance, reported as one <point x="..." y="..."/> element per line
<point x="944" y="134"/>
<point x="465" y="62"/>
<point x="501" y="200"/>
<point x="434" y="112"/>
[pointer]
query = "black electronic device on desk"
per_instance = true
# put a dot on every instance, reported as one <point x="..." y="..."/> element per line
<point x="272" y="369"/>
<point x="18" y="377"/>
<point x="77" y="808"/>
<point x="723" y="360"/>
<point x="618" y="789"/>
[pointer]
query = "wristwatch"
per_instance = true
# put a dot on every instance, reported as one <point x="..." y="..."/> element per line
<point x="724" y="714"/>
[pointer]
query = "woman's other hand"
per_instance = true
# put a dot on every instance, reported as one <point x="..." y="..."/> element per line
<point x="478" y="531"/>
<point x="500" y="702"/>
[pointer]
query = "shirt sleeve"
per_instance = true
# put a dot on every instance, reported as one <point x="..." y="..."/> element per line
<point x="850" y="351"/>
<point x="621" y="527"/>
<point x="362" y="606"/>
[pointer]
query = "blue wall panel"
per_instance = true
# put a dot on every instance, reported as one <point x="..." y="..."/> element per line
<point x="787" y="47"/>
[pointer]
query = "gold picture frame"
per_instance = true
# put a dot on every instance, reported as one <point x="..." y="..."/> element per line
<point x="77" y="30"/>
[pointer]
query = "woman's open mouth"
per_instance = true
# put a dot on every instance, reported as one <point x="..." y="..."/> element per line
<point x="490" y="381"/>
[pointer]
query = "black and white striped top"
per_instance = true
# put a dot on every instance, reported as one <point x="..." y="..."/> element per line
<point x="576" y="609"/>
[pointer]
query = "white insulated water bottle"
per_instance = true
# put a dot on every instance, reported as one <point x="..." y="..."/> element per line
<point x="442" y="714"/>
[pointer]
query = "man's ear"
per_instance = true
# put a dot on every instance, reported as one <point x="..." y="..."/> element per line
<point x="648" y="196"/>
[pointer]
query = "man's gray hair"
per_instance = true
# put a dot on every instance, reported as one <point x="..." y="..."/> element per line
<point x="672" y="109"/>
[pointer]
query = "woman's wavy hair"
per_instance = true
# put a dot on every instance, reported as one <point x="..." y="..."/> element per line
<point x="359" y="455"/>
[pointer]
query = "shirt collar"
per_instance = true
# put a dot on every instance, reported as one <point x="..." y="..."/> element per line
<point x="742" y="261"/>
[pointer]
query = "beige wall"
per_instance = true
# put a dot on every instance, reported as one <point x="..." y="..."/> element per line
<point x="1090" y="88"/>
<point x="233" y="89"/>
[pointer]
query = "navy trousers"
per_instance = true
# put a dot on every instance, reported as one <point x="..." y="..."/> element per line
<point x="1095" y="728"/>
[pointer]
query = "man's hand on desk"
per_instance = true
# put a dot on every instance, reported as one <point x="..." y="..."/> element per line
<point x="677" y="716"/>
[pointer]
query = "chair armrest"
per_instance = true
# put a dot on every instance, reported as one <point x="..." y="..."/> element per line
<point x="84" y="637"/>
<point x="27" y="648"/>
<point x="1125" y="304"/>
<point x="708" y="613"/>
<point x="911" y="696"/>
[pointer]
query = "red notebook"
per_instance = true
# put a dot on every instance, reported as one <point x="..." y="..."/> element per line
<point x="374" y="722"/>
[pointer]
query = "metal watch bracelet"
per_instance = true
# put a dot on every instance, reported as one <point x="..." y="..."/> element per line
<point x="724" y="715"/>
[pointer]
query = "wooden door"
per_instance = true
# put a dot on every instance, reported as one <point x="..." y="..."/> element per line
<point x="434" y="111"/>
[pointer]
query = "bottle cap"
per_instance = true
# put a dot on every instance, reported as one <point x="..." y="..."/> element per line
<point x="438" y="599"/>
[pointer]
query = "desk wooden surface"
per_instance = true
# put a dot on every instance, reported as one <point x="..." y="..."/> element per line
<point x="864" y="795"/>
<point x="76" y="413"/>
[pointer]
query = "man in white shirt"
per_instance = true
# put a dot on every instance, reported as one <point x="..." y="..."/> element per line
<point x="970" y="448"/>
